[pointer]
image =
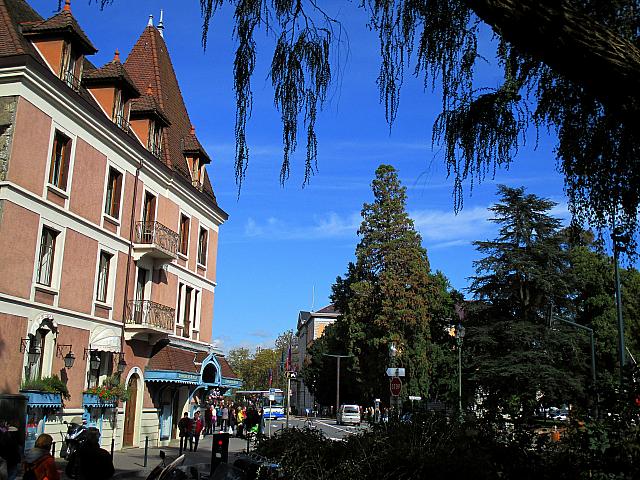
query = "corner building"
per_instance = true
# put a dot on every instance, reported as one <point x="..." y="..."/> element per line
<point x="108" y="232"/>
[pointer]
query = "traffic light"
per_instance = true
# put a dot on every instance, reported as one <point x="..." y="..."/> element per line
<point x="219" y="450"/>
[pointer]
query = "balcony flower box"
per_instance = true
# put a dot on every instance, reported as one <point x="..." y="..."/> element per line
<point x="94" y="400"/>
<point x="42" y="399"/>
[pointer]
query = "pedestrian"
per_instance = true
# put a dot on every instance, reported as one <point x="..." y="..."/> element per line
<point x="38" y="462"/>
<point x="9" y="451"/>
<point x="219" y="415"/>
<point x="197" y="429"/>
<point x="184" y="428"/>
<point x="240" y="423"/>
<point x="89" y="461"/>
<point x="225" y="418"/>
<point x="208" y="417"/>
<point x="214" y="418"/>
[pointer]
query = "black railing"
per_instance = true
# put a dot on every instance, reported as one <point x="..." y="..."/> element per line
<point x="122" y="122"/>
<point x="156" y="150"/>
<point x="150" y="314"/>
<point x="154" y="233"/>
<point x="72" y="80"/>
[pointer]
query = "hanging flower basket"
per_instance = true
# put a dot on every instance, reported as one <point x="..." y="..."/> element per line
<point x="94" y="400"/>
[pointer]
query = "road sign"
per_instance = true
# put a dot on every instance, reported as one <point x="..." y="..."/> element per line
<point x="272" y="391"/>
<point x="414" y="397"/>
<point x="395" y="384"/>
<point x="395" y="372"/>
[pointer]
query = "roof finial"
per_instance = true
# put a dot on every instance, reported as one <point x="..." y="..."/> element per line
<point x="116" y="56"/>
<point x="193" y="130"/>
<point x="161" y="25"/>
<point x="67" y="5"/>
<point x="150" y="22"/>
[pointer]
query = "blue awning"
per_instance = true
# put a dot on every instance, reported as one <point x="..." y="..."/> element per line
<point x="172" y="376"/>
<point x="42" y="399"/>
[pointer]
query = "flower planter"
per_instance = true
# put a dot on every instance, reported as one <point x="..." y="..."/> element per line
<point x="94" y="400"/>
<point x="42" y="399"/>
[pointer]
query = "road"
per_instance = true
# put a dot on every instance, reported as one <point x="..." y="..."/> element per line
<point x="326" y="425"/>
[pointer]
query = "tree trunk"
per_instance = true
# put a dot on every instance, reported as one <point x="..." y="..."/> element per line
<point x="572" y="44"/>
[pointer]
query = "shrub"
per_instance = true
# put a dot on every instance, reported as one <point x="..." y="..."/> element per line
<point x="51" y="384"/>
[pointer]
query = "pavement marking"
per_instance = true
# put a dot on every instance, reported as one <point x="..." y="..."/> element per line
<point x="333" y="426"/>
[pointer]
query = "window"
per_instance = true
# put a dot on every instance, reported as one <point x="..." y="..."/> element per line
<point x="46" y="255"/>
<point x="149" y="213"/>
<point x="59" y="167"/>
<point x="103" y="276"/>
<point x="202" y="246"/>
<point x="112" y="200"/>
<point x="186" y="331"/>
<point x="155" y="138"/>
<point x="184" y="234"/>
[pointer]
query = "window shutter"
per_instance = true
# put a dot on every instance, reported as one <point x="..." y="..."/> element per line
<point x="64" y="168"/>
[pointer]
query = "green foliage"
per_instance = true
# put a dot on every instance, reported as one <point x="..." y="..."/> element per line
<point x="253" y="367"/>
<point x="387" y="296"/>
<point x="514" y="358"/>
<point x="51" y="384"/>
<point x="431" y="446"/>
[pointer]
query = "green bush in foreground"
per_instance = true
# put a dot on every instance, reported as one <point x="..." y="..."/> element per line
<point x="433" y="447"/>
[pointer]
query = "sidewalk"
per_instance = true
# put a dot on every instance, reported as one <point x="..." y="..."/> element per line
<point x="129" y="462"/>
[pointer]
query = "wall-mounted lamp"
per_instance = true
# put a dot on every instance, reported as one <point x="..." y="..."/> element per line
<point x="94" y="357"/>
<point x="122" y="365"/>
<point x="69" y="358"/>
<point x="33" y="352"/>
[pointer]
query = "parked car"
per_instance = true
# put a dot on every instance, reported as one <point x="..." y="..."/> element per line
<point x="348" y="414"/>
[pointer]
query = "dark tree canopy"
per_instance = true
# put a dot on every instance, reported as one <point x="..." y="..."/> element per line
<point x="571" y="66"/>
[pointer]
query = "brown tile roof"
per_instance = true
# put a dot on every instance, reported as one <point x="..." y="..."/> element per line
<point x="149" y="64"/>
<point x="147" y="104"/>
<point x="225" y="368"/>
<point x="62" y="22"/>
<point x="328" y="309"/>
<point x="176" y="359"/>
<point x="12" y="13"/>
<point x="191" y="144"/>
<point x="112" y="72"/>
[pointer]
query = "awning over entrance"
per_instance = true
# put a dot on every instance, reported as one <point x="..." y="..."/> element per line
<point x="105" y="339"/>
<point x="172" y="364"/>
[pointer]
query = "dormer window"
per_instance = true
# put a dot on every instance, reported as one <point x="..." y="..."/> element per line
<point x="196" y="173"/>
<point x="154" y="142"/>
<point x="70" y="66"/>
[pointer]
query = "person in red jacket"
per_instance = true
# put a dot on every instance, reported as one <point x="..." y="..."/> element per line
<point x="38" y="462"/>
<point x="197" y="429"/>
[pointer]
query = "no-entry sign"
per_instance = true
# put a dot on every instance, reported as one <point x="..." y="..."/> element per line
<point x="395" y="384"/>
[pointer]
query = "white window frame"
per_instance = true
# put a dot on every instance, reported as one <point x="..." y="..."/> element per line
<point x="111" y="280"/>
<point x="206" y="254"/>
<point x="58" y="254"/>
<point x="184" y="256"/>
<point x="195" y="307"/>
<point x="111" y="219"/>
<point x="72" y="156"/>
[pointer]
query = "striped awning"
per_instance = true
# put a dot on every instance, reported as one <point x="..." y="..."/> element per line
<point x="172" y="376"/>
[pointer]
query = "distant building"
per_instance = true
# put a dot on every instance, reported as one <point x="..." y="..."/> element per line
<point x="108" y="231"/>
<point x="311" y="326"/>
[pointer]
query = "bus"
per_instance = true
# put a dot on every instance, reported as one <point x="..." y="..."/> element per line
<point x="273" y="410"/>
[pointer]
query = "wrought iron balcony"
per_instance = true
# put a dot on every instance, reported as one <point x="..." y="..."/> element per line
<point x="156" y="241"/>
<point x="121" y="121"/>
<point x="148" y="320"/>
<point x="156" y="150"/>
<point x="71" y="79"/>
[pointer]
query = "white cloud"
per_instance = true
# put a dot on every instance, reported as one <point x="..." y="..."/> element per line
<point x="331" y="225"/>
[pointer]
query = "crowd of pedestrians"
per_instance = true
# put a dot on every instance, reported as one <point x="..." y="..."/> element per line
<point x="228" y="418"/>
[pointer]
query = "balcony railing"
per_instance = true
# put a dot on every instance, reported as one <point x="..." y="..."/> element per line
<point x="150" y="315"/>
<point x="197" y="183"/>
<point x="156" y="234"/>
<point x="121" y="121"/>
<point x="156" y="150"/>
<point x="72" y="80"/>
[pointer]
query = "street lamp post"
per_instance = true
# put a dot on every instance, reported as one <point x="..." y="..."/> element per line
<point x="338" y="357"/>
<point x="618" y="238"/>
<point x="459" y="338"/>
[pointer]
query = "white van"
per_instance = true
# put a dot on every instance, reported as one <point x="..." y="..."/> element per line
<point x="348" y="414"/>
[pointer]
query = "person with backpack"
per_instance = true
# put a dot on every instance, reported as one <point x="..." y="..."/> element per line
<point x="9" y="451"/>
<point x="38" y="462"/>
<point x="185" y="425"/>
<point x="89" y="461"/>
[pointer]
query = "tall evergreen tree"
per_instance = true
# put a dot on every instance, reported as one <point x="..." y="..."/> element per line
<point x="387" y="295"/>
<point x="516" y="360"/>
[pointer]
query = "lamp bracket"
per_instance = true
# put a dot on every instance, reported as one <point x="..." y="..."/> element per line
<point x="60" y="349"/>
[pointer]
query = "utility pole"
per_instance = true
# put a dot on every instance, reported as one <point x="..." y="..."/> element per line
<point x="338" y="357"/>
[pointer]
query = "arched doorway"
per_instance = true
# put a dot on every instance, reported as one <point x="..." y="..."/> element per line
<point x="130" y="411"/>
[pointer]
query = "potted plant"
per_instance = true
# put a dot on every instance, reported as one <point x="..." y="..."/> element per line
<point x="47" y="391"/>
<point x="109" y="393"/>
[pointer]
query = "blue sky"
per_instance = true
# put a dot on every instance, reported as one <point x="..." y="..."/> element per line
<point x="281" y="244"/>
